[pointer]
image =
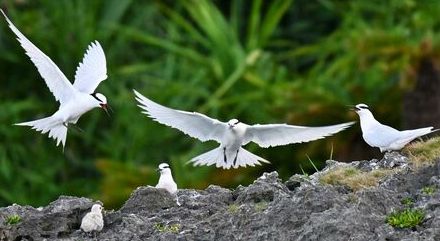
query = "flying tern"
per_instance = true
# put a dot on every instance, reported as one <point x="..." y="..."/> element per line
<point x="232" y="135"/>
<point x="382" y="136"/>
<point x="76" y="99"/>
<point x="93" y="220"/>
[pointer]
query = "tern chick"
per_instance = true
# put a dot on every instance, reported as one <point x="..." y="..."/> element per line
<point x="93" y="220"/>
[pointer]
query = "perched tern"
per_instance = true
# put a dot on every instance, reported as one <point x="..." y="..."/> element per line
<point x="382" y="136"/>
<point x="233" y="134"/>
<point x="166" y="180"/>
<point x="76" y="99"/>
<point x="93" y="220"/>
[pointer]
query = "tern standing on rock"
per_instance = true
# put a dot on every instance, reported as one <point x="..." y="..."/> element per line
<point x="76" y="99"/>
<point x="233" y="134"/>
<point x="166" y="181"/>
<point x="93" y="220"/>
<point x="385" y="137"/>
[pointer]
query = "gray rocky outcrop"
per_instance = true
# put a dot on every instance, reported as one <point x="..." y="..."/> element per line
<point x="302" y="208"/>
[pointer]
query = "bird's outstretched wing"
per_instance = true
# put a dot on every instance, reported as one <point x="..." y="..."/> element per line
<point x="193" y="124"/>
<point x="92" y="70"/>
<point x="57" y="82"/>
<point x="283" y="134"/>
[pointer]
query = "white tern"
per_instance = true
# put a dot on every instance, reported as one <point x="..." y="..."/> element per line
<point x="382" y="136"/>
<point x="232" y="135"/>
<point x="166" y="180"/>
<point x="93" y="220"/>
<point x="76" y="99"/>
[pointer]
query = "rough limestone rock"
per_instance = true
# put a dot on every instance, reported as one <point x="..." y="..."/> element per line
<point x="302" y="208"/>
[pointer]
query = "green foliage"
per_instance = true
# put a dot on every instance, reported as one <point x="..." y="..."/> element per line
<point x="407" y="201"/>
<point x="429" y="190"/>
<point x="407" y="218"/>
<point x="173" y="228"/>
<point x="13" y="219"/>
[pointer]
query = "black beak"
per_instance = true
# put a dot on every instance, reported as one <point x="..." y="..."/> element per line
<point x="106" y="108"/>
<point x="352" y="107"/>
<point x="157" y="170"/>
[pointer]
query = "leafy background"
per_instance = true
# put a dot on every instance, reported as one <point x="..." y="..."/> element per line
<point x="280" y="61"/>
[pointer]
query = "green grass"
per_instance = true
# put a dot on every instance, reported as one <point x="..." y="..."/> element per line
<point x="429" y="190"/>
<point x="407" y="218"/>
<point x="13" y="219"/>
<point x="173" y="228"/>
<point x="407" y="201"/>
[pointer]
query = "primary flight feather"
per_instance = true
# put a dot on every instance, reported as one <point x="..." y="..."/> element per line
<point x="76" y="99"/>
<point x="232" y="135"/>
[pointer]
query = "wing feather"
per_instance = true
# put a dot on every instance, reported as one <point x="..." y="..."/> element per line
<point x="55" y="80"/>
<point x="92" y="70"/>
<point x="283" y="134"/>
<point x="193" y="124"/>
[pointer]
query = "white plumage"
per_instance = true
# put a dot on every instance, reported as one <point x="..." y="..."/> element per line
<point x="93" y="220"/>
<point x="233" y="134"/>
<point x="166" y="180"/>
<point x="385" y="137"/>
<point x="76" y="99"/>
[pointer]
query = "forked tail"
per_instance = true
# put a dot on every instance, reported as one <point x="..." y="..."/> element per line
<point x="416" y="133"/>
<point x="56" y="130"/>
<point x="226" y="159"/>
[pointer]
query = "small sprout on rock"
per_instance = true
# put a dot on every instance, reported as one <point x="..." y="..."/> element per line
<point x="352" y="198"/>
<point x="407" y="201"/>
<point x="261" y="206"/>
<point x="233" y="208"/>
<point x="429" y="190"/>
<point x="13" y="219"/>
<point x="173" y="228"/>
<point x="407" y="218"/>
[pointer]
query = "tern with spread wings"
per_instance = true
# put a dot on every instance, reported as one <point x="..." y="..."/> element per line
<point x="76" y="99"/>
<point x="233" y="134"/>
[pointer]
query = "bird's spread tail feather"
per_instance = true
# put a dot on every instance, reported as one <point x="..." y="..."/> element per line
<point x="217" y="156"/>
<point x="413" y="134"/>
<point x="56" y="130"/>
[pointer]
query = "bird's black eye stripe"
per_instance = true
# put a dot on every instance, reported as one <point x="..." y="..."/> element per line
<point x="363" y="107"/>
<point x="94" y="96"/>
